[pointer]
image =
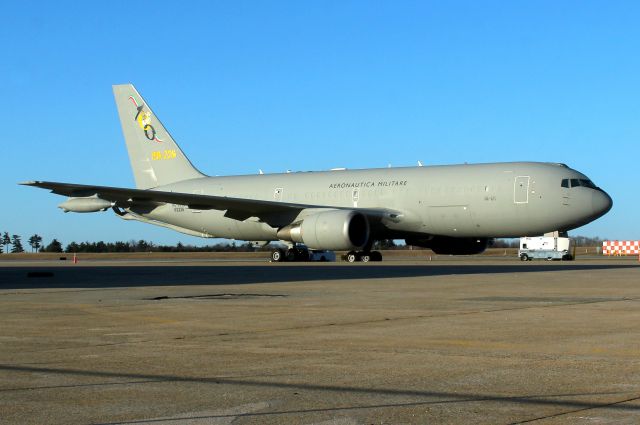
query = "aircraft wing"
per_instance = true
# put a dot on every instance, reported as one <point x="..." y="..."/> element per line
<point x="236" y="208"/>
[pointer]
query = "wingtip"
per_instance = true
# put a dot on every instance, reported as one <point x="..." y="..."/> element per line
<point x="29" y="183"/>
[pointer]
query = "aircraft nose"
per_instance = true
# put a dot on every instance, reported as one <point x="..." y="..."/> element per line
<point x="601" y="203"/>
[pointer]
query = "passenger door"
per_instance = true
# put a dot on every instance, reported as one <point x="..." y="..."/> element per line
<point x="521" y="190"/>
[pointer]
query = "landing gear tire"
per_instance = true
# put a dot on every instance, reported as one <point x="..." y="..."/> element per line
<point x="364" y="256"/>
<point x="351" y="257"/>
<point x="524" y="257"/>
<point x="296" y="254"/>
<point x="277" y="255"/>
<point x="291" y="255"/>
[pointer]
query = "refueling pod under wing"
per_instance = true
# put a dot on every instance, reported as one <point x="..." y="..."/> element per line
<point x="85" y="205"/>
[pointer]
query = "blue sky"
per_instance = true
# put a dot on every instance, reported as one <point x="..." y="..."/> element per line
<point x="244" y="85"/>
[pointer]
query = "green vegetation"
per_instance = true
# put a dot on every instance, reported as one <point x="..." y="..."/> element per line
<point x="6" y="241"/>
<point x="16" y="245"/>
<point x="54" y="246"/>
<point x="145" y="246"/>
<point x="36" y="242"/>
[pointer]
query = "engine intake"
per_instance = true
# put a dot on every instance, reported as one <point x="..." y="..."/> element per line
<point x="330" y="230"/>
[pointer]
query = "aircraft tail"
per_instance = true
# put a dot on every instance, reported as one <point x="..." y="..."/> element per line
<point x="156" y="159"/>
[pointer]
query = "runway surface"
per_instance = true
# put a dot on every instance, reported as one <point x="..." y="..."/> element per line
<point x="492" y="341"/>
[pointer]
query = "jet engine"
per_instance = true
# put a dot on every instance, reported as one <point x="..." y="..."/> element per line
<point x="331" y="230"/>
<point x="445" y="245"/>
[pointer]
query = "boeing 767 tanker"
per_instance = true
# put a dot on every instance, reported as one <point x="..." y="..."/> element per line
<point x="452" y="209"/>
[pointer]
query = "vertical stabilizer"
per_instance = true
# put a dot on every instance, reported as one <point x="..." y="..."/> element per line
<point x="156" y="159"/>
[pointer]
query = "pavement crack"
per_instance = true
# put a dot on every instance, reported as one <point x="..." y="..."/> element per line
<point x="568" y="412"/>
<point x="216" y="297"/>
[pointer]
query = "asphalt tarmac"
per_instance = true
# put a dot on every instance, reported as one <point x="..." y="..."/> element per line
<point x="490" y="341"/>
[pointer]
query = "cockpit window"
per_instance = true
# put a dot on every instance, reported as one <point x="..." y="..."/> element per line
<point x="578" y="183"/>
<point x="587" y="183"/>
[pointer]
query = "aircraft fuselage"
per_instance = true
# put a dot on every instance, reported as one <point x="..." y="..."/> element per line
<point x="477" y="200"/>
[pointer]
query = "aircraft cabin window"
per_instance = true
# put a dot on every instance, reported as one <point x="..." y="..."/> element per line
<point x="565" y="183"/>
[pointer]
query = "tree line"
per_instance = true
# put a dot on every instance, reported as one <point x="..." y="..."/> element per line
<point x="578" y="241"/>
<point x="13" y="244"/>
<point x="148" y="246"/>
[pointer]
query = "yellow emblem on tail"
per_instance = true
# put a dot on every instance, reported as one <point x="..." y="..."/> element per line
<point x="144" y="121"/>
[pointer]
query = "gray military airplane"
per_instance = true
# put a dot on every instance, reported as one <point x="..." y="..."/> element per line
<point x="452" y="209"/>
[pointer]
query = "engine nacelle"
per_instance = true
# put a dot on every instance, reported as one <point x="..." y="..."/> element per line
<point x="330" y="230"/>
<point x="445" y="245"/>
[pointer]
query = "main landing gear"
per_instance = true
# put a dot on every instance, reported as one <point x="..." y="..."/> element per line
<point x="363" y="256"/>
<point x="298" y="253"/>
<point x="292" y="254"/>
<point x="277" y="255"/>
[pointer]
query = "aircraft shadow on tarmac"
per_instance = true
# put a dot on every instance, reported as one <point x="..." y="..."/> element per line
<point x="569" y="401"/>
<point x="141" y="276"/>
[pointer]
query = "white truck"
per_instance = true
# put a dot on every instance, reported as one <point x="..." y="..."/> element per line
<point x="545" y="247"/>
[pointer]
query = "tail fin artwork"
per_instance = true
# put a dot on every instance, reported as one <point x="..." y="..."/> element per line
<point x="156" y="159"/>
